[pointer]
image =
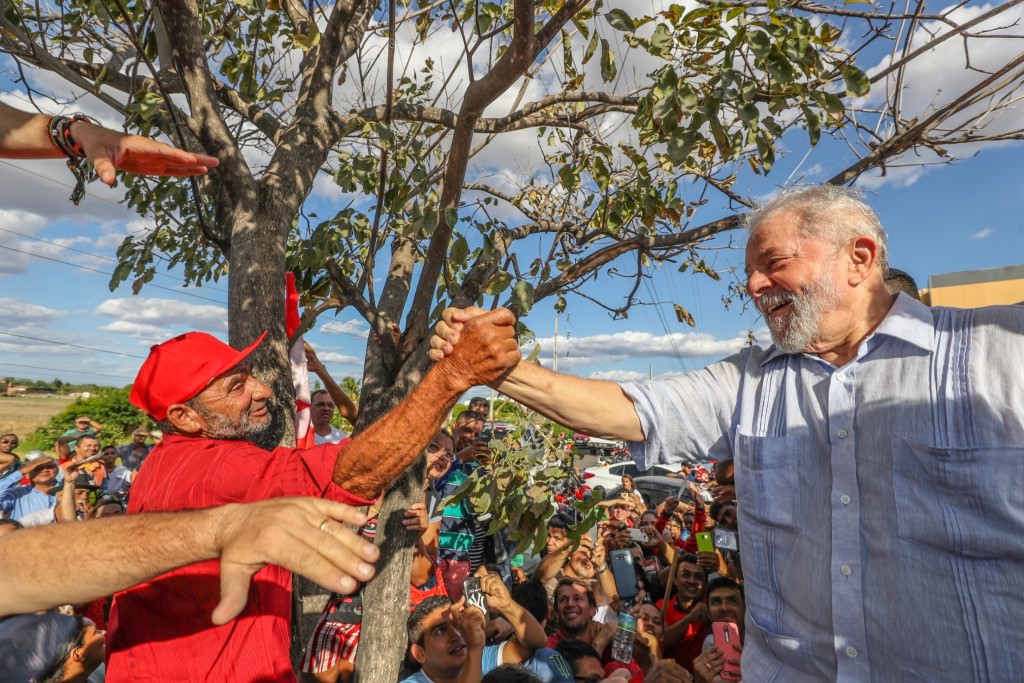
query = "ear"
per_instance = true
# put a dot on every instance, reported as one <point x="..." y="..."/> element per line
<point x="185" y="419"/>
<point x="78" y="654"/>
<point x="418" y="653"/>
<point x="863" y="256"/>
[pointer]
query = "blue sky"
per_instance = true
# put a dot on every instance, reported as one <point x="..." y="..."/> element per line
<point x="964" y="216"/>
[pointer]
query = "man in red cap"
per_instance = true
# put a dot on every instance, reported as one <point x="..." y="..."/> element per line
<point x="213" y="413"/>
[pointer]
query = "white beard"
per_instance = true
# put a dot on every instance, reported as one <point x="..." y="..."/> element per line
<point x="794" y="332"/>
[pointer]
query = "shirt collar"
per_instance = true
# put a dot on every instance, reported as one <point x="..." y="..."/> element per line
<point x="908" y="320"/>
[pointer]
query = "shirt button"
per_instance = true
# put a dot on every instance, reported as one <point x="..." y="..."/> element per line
<point x="841" y="433"/>
<point x="845" y="571"/>
<point x="851" y="652"/>
<point x="840" y="376"/>
<point x="844" y="499"/>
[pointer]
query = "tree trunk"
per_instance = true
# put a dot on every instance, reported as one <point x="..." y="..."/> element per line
<point x="256" y="294"/>
<point x="382" y="641"/>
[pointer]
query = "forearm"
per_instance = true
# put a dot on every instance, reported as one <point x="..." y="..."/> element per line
<point x="377" y="456"/>
<point x="24" y="135"/>
<point x="471" y="672"/>
<point x="607" y="582"/>
<point x="67" y="500"/>
<point x="550" y="565"/>
<point x="528" y="630"/>
<point x="346" y="407"/>
<point x="596" y="407"/>
<point x="107" y="564"/>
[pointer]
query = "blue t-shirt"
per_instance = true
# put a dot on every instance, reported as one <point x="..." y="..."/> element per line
<point x="490" y="658"/>
<point x="550" y="666"/>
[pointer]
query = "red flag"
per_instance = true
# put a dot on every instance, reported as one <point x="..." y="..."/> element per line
<point x="305" y="437"/>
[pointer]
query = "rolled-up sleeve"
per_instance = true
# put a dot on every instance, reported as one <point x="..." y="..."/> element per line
<point x="686" y="417"/>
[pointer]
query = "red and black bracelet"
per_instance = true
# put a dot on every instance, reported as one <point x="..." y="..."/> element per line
<point x="60" y="136"/>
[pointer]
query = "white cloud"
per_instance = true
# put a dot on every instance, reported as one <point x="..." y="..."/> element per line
<point x="618" y="375"/>
<point x="354" y="328"/>
<point x="609" y="348"/>
<point x="941" y="75"/>
<point x="152" y="320"/>
<point x="339" y="358"/>
<point x="982" y="234"/>
<point x="16" y="313"/>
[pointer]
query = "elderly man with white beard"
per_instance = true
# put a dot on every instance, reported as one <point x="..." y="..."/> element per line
<point x="879" y="450"/>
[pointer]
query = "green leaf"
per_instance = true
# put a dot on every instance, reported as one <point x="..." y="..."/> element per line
<point x="498" y="283"/>
<point x="813" y="125"/>
<point x="591" y="48"/>
<point x="749" y="112"/>
<point x="522" y="296"/>
<point x="608" y="69"/>
<point x="620" y="20"/>
<point x="857" y="83"/>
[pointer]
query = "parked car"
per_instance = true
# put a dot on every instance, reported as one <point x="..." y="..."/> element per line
<point x="595" y="444"/>
<point x="610" y="476"/>
<point x="655" y="489"/>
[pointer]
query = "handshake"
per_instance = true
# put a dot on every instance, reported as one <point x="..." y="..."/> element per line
<point x="475" y="347"/>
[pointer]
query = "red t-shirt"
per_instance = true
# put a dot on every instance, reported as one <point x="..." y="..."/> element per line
<point x="691" y="644"/>
<point x="161" y="629"/>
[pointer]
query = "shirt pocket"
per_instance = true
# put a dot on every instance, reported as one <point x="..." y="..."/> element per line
<point x="967" y="501"/>
<point x="767" y="475"/>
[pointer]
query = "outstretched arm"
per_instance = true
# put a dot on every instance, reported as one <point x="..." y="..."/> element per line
<point x="27" y="136"/>
<point x="378" y="455"/>
<point x="597" y="407"/>
<point x="295" y="533"/>
<point x="346" y="407"/>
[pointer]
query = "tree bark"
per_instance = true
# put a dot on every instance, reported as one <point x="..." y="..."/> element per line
<point x="382" y="641"/>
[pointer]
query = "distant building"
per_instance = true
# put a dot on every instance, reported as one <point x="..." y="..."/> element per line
<point x="974" y="288"/>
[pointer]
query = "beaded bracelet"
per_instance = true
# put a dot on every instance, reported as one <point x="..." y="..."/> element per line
<point x="60" y="136"/>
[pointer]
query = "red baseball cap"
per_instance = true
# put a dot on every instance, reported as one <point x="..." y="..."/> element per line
<point x="180" y="368"/>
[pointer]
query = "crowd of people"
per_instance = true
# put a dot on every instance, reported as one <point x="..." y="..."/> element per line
<point x="861" y="522"/>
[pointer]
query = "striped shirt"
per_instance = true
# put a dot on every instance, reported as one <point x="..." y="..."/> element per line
<point x="881" y="507"/>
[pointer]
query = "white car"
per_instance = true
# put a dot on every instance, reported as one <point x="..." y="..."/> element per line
<point x="610" y="476"/>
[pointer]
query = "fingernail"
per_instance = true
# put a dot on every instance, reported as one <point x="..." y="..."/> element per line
<point x="347" y="584"/>
<point x="366" y="570"/>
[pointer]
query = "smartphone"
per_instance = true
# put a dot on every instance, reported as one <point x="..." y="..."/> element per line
<point x="474" y="594"/>
<point x="726" y="540"/>
<point x="624" y="571"/>
<point x="727" y="638"/>
<point x="638" y="536"/>
<point x="705" y="543"/>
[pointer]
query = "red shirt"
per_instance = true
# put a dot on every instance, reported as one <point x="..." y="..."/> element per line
<point x="691" y="644"/>
<point x="161" y="630"/>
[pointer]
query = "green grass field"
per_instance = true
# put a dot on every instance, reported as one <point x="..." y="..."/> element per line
<point x="22" y="414"/>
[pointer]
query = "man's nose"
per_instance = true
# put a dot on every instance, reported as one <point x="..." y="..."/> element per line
<point x="757" y="283"/>
<point x="260" y="391"/>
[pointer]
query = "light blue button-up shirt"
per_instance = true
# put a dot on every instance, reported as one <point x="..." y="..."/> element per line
<point x="21" y="500"/>
<point x="881" y="504"/>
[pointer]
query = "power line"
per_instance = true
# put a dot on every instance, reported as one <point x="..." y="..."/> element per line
<point x="89" y="253"/>
<point x="102" y="272"/>
<point x="77" y="346"/>
<point x="56" y="182"/>
<point x="65" y="370"/>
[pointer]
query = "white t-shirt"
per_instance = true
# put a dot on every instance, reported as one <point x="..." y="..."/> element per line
<point x="335" y="436"/>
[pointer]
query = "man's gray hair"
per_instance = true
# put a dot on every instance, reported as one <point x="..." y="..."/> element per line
<point x="829" y="212"/>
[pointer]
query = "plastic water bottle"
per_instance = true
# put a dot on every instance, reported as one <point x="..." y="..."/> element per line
<point x="625" y="636"/>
